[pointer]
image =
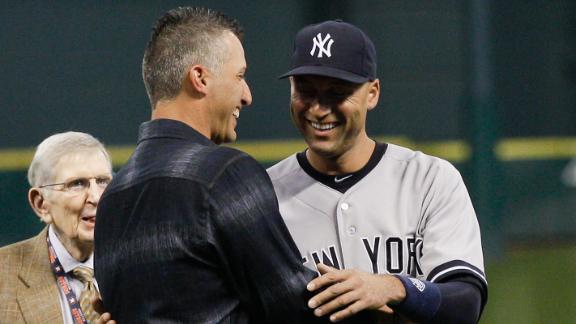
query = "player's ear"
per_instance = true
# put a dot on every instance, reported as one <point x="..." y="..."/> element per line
<point x="197" y="78"/>
<point x="40" y="205"/>
<point x="292" y="85"/>
<point x="373" y="93"/>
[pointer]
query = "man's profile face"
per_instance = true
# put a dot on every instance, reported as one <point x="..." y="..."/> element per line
<point x="230" y="92"/>
<point x="330" y="113"/>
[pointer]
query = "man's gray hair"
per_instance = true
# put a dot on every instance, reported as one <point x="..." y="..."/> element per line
<point x="53" y="148"/>
<point x="181" y="38"/>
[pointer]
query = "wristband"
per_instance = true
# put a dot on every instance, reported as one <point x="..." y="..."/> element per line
<point x="422" y="299"/>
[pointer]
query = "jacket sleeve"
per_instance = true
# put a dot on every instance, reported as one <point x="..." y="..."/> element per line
<point x="254" y="245"/>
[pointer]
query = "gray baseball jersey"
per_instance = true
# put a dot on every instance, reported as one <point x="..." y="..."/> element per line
<point x="409" y="213"/>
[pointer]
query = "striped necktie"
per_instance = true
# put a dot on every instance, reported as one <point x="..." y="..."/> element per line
<point x="86" y="276"/>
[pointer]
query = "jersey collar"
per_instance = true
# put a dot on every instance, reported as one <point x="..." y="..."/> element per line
<point x="343" y="182"/>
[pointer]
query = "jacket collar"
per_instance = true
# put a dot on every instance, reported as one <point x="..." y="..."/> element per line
<point x="169" y="128"/>
<point x="38" y="295"/>
<point x="35" y="261"/>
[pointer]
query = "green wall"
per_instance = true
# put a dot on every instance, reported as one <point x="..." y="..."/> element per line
<point x="72" y="65"/>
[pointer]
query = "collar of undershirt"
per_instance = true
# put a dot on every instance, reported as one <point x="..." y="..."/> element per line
<point x="66" y="260"/>
<point x="343" y="182"/>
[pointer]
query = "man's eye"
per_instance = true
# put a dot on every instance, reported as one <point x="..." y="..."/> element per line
<point x="103" y="182"/>
<point x="305" y="94"/>
<point x="339" y="94"/>
<point x="77" y="184"/>
<point x="341" y="91"/>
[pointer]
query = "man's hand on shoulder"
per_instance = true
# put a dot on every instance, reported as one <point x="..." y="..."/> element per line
<point x="348" y="292"/>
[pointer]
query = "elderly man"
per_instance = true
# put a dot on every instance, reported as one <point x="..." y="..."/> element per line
<point x="49" y="278"/>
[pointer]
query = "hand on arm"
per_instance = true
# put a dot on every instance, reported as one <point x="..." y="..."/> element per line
<point x="351" y="291"/>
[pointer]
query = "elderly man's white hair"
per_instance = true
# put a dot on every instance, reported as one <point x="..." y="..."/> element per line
<point x="53" y="148"/>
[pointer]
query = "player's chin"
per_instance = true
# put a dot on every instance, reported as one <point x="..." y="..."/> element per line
<point x="231" y="136"/>
<point x="322" y="147"/>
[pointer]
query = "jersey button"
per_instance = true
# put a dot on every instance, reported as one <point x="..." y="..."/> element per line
<point x="351" y="230"/>
<point x="344" y="206"/>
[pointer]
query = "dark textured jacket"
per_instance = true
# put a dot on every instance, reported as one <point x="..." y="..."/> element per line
<point x="189" y="232"/>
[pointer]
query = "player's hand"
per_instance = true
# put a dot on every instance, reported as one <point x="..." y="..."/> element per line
<point x="105" y="318"/>
<point x="351" y="291"/>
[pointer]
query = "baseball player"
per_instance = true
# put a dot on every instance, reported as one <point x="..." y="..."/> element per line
<point x="389" y="229"/>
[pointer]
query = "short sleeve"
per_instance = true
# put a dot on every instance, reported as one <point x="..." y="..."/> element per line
<point x="451" y="233"/>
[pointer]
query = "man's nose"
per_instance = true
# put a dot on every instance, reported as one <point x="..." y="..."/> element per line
<point x="94" y="192"/>
<point x="246" y="95"/>
<point x="320" y="108"/>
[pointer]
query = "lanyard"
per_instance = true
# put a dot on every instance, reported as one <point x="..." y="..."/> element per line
<point x="77" y="314"/>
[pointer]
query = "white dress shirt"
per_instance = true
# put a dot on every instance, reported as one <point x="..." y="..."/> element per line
<point x="69" y="263"/>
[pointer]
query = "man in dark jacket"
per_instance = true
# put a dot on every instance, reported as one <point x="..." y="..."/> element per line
<point x="189" y="231"/>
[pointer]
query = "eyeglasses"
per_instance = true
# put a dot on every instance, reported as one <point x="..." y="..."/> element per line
<point x="79" y="185"/>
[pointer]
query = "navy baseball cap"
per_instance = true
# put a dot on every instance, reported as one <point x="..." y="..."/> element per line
<point x="335" y="49"/>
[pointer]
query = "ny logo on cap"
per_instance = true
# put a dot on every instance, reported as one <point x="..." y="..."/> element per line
<point x="320" y="43"/>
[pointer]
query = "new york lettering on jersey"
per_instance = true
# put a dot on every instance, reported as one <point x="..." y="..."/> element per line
<point x="391" y="252"/>
<point x="356" y="234"/>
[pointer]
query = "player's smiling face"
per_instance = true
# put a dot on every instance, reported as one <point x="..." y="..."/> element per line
<point x="331" y="113"/>
<point x="231" y="93"/>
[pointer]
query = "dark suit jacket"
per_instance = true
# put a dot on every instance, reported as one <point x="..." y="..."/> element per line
<point x="28" y="289"/>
